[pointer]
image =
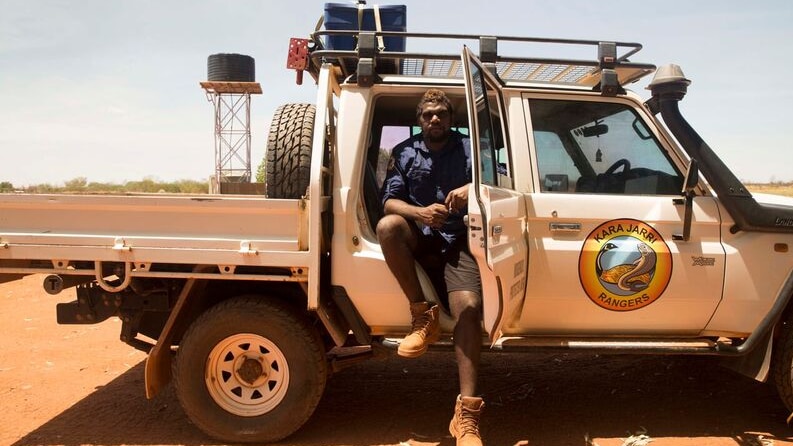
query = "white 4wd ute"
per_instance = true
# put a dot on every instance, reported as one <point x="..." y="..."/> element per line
<point x="589" y="220"/>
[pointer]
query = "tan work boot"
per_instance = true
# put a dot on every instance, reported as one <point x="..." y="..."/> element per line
<point x="426" y="330"/>
<point x="465" y="424"/>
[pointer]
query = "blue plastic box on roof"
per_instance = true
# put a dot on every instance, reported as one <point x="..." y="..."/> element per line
<point x="346" y="16"/>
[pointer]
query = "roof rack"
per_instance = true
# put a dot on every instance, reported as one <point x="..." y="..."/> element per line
<point x="370" y="60"/>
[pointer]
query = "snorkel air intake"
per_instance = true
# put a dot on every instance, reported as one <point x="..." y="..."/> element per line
<point x="668" y="88"/>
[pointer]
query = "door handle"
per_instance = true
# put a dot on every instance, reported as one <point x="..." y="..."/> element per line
<point x="565" y="227"/>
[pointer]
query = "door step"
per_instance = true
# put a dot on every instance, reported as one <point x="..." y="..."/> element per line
<point x="702" y="346"/>
<point x="610" y="345"/>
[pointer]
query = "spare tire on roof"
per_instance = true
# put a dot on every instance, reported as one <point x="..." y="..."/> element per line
<point x="226" y="67"/>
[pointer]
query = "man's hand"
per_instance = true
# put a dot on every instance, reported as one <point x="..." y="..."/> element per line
<point x="433" y="215"/>
<point x="457" y="199"/>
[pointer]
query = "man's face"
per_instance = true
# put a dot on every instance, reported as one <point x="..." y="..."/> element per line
<point x="435" y="121"/>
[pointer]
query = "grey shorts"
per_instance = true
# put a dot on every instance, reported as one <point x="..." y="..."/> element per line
<point x="456" y="266"/>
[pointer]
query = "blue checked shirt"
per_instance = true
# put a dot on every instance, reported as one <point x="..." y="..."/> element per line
<point x="419" y="176"/>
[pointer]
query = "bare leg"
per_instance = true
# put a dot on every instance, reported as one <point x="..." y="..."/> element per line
<point x="398" y="242"/>
<point x="466" y="308"/>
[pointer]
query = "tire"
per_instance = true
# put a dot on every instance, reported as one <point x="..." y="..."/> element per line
<point x="250" y="370"/>
<point x="288" y="158"/>
<point x="231" y="68"/>
<point x="782" y="363"/>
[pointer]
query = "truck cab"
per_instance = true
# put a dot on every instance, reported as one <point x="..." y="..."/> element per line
<point x="580" y="225"/>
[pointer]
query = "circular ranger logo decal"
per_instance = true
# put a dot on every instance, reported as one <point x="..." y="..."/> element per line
<point x="624" y="265"/>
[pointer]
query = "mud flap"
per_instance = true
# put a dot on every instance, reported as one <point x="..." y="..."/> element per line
<point x="754" y="364"/>
<point x="158" y="364"/>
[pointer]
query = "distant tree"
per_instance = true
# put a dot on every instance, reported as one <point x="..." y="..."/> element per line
<point x="76" y="184"/>
<point x="193" y="187"/>
<point x="44" y="188"/>
<point x="146" y="185"/>
<point x="260" y="173"/>
<point x="6" y="186"/>
<point x="94" y="187"/>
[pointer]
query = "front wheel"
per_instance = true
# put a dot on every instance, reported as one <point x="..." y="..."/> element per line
<point x="250" y="370"/>
<point x="782" y="363"/>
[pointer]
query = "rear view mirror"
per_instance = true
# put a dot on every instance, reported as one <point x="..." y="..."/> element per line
<point x="595" y="130"/>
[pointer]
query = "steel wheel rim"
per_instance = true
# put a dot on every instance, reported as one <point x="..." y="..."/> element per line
<point x="247" y="375"/>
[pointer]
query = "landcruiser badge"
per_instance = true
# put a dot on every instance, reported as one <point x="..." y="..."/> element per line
<point x="624" y="265"/>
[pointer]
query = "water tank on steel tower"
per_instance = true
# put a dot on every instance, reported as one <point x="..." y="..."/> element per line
<point x="231" y="80"/>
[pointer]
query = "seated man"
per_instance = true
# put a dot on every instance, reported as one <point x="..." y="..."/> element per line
<point x="425" y="196"/>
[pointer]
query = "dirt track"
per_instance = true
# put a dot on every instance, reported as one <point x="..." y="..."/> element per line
<point x="74" y="385"/>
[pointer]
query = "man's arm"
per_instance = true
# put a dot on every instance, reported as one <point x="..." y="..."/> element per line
<point x="433" y="215"/>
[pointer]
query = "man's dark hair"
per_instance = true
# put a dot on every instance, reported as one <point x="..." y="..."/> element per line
<point x="433" y="95"/>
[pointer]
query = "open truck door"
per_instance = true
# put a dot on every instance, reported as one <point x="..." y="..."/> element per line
<point x="496" y="212"/>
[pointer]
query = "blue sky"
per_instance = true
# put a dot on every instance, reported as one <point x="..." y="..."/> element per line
<point x="108" y="89"/>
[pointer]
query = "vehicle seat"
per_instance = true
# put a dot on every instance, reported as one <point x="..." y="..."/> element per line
<point x="371" y="196"/>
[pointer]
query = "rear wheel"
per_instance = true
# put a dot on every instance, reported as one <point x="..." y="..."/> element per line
<point x="250" y="370"/>
<point x="782" y="364"/>
<point x="288" y="159"/>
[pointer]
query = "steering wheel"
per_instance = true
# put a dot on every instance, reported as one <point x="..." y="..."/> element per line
<point x="624" y="163"/>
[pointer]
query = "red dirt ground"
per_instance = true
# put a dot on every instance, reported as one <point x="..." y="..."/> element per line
<point x="78" y="384"/>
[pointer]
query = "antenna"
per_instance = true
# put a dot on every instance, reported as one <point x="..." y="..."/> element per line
<point x="231" y="82"/>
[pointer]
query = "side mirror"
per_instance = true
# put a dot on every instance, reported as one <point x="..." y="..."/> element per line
<point x="688" y="192"/>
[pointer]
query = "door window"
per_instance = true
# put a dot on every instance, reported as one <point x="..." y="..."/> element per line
<point x="599" y="147"/>
<point x="494" y="163"/>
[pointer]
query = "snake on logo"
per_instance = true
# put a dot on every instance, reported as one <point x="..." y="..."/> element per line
<point x="629" y="276"/>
